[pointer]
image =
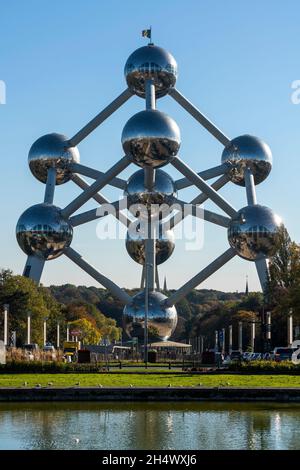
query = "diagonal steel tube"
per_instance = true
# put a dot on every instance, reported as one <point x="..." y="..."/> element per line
<point x="103" y="280"/>
<point x="95" y="187"/>
<point x="206" y="175"/>
<point x="200" y="277"/>
<point x="93" y="214"/>
<point x="97" y="120"/>
<point x="203" y="120"/>
<point x="195" y="211"/>
<point x="203" y="186"/>
<point x="102" y="200"/>
<point x="95" y="174"/>
<point x="250" y="187"/>
<point x="201" y="198"/>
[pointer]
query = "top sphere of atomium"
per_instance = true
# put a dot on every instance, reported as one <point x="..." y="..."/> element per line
<point x="254" y="232"/>
<point x="150" y="63"/>
<point x="52" y="151"/>
<point x="162" y="320"/>
<point x="151" y="138"/>
<point x="157" y="199"/>
<point x="247" y="151"/>
<point x="42" y="231"/>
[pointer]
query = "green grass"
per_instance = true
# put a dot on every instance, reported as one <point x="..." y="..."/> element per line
<point x="148" y="380"/>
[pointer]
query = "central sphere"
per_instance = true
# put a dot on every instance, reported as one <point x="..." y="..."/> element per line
<point x="49" y="151"/>
<point x="250" y="152"/>
<point x="150" y="63"/>
<point x="143" y="200"/>
<point x="162" y="320"/>
<point x="41" y="231"/>
<point x="254" y="232"/>
<point x="151" y="138"/>
<point x="164" y="245"/>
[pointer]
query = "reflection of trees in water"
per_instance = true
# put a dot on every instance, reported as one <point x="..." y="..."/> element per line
<point x="151" y="425"/>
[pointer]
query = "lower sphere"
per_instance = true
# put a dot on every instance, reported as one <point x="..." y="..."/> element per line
<point x="41" y="231"/>
<point x="162" y="320"/>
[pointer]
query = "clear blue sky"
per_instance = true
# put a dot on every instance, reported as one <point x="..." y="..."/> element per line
<point x="63" y="61"/>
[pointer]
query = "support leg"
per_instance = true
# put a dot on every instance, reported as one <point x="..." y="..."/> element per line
<point x="34" y="268"/>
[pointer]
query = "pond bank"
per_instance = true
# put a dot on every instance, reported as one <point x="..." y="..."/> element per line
<point x="158" y="394"/>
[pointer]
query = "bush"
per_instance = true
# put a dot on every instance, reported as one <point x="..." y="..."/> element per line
<point x="41" y="367"/>
<point x="265" y="366"/>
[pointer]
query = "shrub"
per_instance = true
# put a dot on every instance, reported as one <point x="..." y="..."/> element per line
<point x="265" y="366"/>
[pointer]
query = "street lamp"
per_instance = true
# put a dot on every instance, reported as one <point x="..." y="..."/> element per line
<point x="28" y="327"/>
<point x="45" y="331"/>
<point x="5" y="311"/>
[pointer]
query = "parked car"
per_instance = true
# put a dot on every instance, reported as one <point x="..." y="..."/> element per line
<point x="49" y="347"/>
<point x="31" y="347"/>
<point x="283" y="353"/>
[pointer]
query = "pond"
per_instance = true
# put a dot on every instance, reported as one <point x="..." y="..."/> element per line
<point x="149" y="426"/>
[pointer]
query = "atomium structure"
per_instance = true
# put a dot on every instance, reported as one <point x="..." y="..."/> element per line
<point x="150" y="140"/>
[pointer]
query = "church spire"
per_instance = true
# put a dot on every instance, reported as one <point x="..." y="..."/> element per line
<point x="165" y="284"/>
<point x="247" y="286"/>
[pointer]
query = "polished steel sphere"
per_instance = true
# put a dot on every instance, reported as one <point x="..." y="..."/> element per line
<point x="254" y="232"/>
<point x="150" y="62"/>
<point x="151" y="138"/>
<point x="162" y="320"/>
<point x="144" y="201"/>
<point x="250" y="152"/>
<point x="41" y="231"/>
<point x="164" y="245"/>
<point x="52" y="150"/>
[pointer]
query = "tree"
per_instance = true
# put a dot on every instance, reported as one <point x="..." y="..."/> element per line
<point x="88" y="333"/>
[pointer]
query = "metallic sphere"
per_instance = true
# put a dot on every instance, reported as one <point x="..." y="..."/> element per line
<point x="52" y="150"/>
<point x="151" y="138"/>
<point x="41" y="231"/>
<point x="150" y="62"/>
<point x="162" y="320"/>
<point x="143" y="200"/>
<point x="254" y="232"/>
<point x="164" y="245"/>
<point x="250" y="152"/>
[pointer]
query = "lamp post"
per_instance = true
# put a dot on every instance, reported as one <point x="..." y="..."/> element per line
<point x="5" y="312"/>
<point x="45" y="331"/>
<point x="240" y="336"/>
<point x="68" y="332"/>
<point x="57" y="336"/>
<point x="28" y="327"/>
<point x="230" y="339"/>
<point x="290" y="328"/>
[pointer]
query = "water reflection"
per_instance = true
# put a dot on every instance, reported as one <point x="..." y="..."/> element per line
<point x="149" y="426"/>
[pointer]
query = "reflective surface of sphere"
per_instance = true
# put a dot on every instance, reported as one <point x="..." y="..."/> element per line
<point x="162" y="320"/>
<point x="254" y="232"/>
<point x="41" y="231"/>
<point x="244" y="152"/>
<point x="52" y="150"/>
<point x="164" y="246"/>
<point x="151" y="138"/>
<point x="143" y="200"/>
<point x="150" y="62"/>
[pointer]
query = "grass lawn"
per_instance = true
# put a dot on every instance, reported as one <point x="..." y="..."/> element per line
<point x="148" y="380"/>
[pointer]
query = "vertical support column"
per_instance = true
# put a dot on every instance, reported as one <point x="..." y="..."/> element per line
<point x="240" y="336"/>
<point x="50" y="186"/>
<point x="201" y="344"/>
<point x="57" y="335"/>
<point x="5" y="329"/>
<point x="28" y="327"/>
<point x="252" y="336"/>
<point x="290" y="336"/>
<point x="68" y="332"/>
<point x="34" y="268"/>
<point x="230" y="339"/>
<point x="250" y="187"/>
